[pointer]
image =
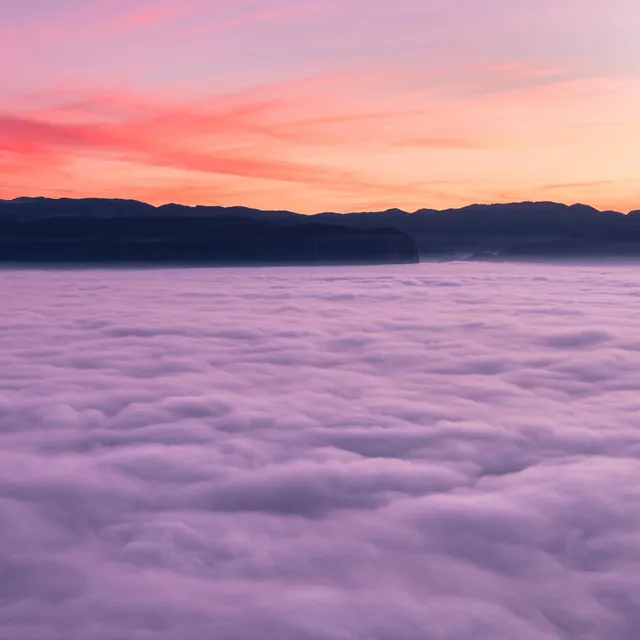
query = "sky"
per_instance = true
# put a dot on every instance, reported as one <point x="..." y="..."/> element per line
<point x="322" y="105"/>
<point x="407" y="452"/>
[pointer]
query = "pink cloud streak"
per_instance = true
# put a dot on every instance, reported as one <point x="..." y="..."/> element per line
<point x="365" y="104"/>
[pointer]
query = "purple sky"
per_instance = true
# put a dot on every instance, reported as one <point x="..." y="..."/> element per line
<point x="322" y="105"/>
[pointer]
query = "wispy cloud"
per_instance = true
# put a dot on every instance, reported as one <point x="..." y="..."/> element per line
<point x="438" y="142"/>
<point x="160" y="139"/>
<point x="316" y="134"/>
<point x="319" y="104"/>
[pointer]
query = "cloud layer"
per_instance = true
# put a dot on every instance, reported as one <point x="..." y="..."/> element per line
<point x="398" y="453"/>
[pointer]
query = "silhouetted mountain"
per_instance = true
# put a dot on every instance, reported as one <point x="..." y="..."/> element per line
<point x="498" y="228"/>
<point x="620" y="245"/>
<point x="195" y="240"/>
<point x="34" y="208"/>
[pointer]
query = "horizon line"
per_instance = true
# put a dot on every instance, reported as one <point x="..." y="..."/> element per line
<point x="317" y="213"/>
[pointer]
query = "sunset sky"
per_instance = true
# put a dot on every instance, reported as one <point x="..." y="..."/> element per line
<point x="318" y="105"/>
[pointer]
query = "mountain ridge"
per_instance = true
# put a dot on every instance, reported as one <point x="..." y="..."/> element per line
<point x="483" y="229"/>
<point x="243" y="208"/>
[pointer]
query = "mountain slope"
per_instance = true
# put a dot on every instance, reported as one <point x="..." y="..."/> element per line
<point x="494" y="228"/>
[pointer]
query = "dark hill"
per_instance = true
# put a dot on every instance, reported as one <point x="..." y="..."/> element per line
<point x="508" y="229"/>
<point x="194" y="240"/>
<point x="578" y="247"/>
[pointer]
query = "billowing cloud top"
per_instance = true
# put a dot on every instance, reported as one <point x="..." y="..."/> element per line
<point x="444" y="451"/>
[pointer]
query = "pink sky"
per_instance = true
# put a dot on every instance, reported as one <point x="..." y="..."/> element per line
<point x="322" y="105"/>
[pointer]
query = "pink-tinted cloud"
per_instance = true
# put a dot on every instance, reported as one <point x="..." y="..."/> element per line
<point x="357" y="103"/>
<point x="437" y="142"/>
<point x="443" y="450"/>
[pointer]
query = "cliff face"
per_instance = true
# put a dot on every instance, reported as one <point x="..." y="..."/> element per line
<point x="197" y="240"/>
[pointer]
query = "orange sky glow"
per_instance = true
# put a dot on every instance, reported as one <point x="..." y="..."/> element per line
<point x="316" y="106"/>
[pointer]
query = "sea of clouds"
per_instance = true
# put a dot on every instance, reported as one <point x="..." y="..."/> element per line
<point x="424" y="452"/>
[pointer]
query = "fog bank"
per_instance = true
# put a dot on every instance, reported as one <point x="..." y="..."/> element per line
<point x="436" y="451"/>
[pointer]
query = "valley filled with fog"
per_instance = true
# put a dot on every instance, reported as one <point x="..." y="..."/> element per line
<point x="414" y="452"/>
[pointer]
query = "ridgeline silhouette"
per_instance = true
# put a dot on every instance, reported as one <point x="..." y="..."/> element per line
<point x="126" y="231"/>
